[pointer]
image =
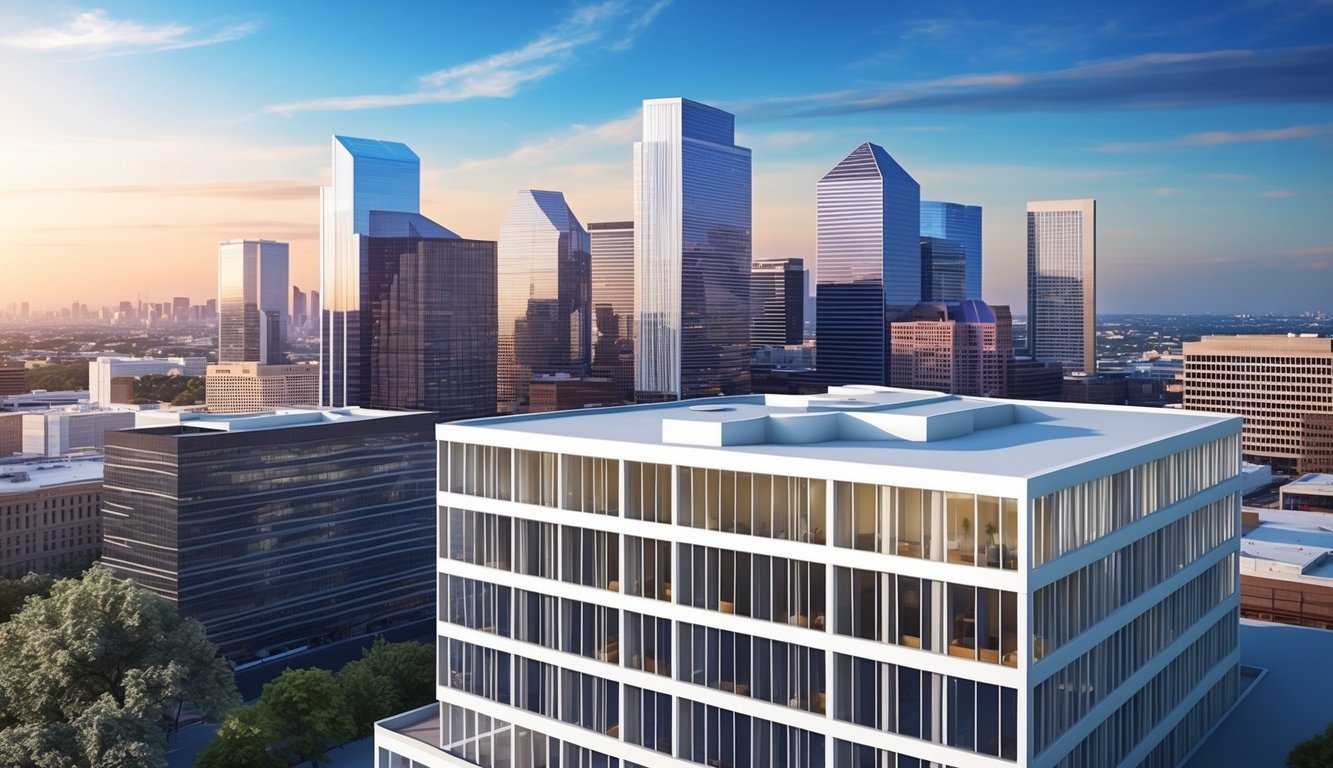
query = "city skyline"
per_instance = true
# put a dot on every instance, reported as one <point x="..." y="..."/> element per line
<point x="1207" y="173"/>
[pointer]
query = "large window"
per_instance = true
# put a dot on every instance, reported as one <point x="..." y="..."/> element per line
<point x="760" y="586"/>
<point x="648" y="492"/>
<point x="591" y="485"/>
<point x="777" y="672"/>
<point x="476" y="537"/>
<point x="478" y="470"/>
<point x="771" y="506"/>
<point x="536" y="477"/>
<point x="648" y="567"/>
<point x="954" y="527"/>
<point x="712" y="736"/>
<point x="590" y="558"/>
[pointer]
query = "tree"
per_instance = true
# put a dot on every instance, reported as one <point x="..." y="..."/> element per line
<point x="14" y="591"/>
<point x="58" y="377"/>
<point x="96" y="667"/>
<point x="311" y="713"/>
<point x="389" y="678"/>
<point x="1315" y="752"/>
<point x="245" y="740"/>
<point x="369" y="696"/>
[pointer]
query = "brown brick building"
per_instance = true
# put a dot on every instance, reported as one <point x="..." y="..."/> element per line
<point x="50" y="515"/>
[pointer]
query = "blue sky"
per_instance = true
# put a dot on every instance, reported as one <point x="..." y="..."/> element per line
<point x="138" y="134"/>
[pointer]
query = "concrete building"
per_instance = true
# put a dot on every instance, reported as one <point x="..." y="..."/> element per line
<point x="1286" y="567"/>
<point x="251" y="387"/>
<point x="59" y="431"/>
<point x="280" y="529"/>
<point x="1062" y="282"/>
<point x="855" y="578"/>
<point x="11" y="433"/>
<point x="1094" y="389"/>
<point x="50" y="515"/>
<point x="103" y="371"/>
<point x="1033" y="379"/>
<point x="1312" y="492"/>
<point x="964" y="349"/>
<point x="1281" y="385"/>
<point x="559" y="392"/>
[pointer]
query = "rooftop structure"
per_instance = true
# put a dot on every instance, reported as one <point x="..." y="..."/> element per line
<point x="867" y="574"/>
<point x="1286" y="567"/>
<point x="1313" y="492"/>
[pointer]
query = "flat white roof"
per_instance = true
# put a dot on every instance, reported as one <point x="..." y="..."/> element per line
<point x="864" y="425"/>
<point x="1318" y="484"/>
<point x="28" y="476"/>
<point x="275" y="419"/>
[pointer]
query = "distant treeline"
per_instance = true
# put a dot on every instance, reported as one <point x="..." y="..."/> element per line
<point x="177" y="390"/>
<point x="58" y="377"/>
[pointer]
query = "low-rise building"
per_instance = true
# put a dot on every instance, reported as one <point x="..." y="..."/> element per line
<point x="253" y="387"/>
<point x="59" y="431"/>
<point x="103" y="372"/>
<point x="561" y="392"/>
<point x="1312" y="492"/>
<point x="50" y="518"/>
<point x="1286" y="567"/>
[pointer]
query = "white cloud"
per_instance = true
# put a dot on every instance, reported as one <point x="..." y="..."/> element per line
<point x="95" y="32"/>
<point x="1219" y="138"/>
<point x="500" y="75"/>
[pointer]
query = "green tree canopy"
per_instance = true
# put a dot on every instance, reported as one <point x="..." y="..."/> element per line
<point x="58" y="377"/>
<point x="1314" y="752"/>
<point x="14" y="591"/>
<point x="311" y="713"/>
<point x="95" y="668"/>
<point x="246" y="740"/>
<point x="388" y="679"/>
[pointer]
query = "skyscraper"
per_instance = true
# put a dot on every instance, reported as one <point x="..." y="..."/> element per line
<point x="300" y="311"/>
<point x="612" y="249"/>
<point x="180" y="309"/>
<point x="777" y="302"/>
<point x="252" y="297"/>
<point x="430" y="304"/>
<point x="545" y="304"/>
<point x="958" y="224"/>
<point x="691" y="253"/>
<point x="368" y="175"/>
<point x="1062" y="282"/>
<point x="943" y="270"/>
<point x="868" y="249"/>
<point x="313" y="321"/>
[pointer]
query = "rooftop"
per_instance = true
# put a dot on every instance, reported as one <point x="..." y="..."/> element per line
<point x="27" y="475"/>
<point x="1289" y="544"/>
<point x="197" y="421"/>
<point x="875" y="425"/>
<point x="1317" y="484"/>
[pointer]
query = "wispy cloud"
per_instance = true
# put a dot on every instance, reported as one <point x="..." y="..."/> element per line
<point x="1166" y="191"/>
<point x="500" y="75"/>
<point x="1148" y="81"/>
<point x="1218" y="138"/>
<point x="578" y="141"/>
<point x="96" y="33"/>
<point x="1228" y="176"/>
<point x="1279" y="194"/>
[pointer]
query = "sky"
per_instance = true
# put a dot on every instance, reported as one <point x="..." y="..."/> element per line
<point x="136" y="135"/>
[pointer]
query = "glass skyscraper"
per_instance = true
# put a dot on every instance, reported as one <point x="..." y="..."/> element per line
<point x="868" y="249"/>
<point x="1062" y="282"/>
<point x="612" y="248"/>
<point x="960" y="225"/>
<point x="691" y="253"/>
<point x="545" y="304"/>
<point x="430" y="307"/>
<point x="252" y="301"/>
<point x="368" y="175"/>
<point x="943" y="270"/>
<point x="777" y="302"/>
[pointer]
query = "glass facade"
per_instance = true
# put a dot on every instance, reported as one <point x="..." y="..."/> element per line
<point x="276" y="537"/>
<point x="368" y="175"/>
<point x="252" y="302"/>
<point x="692" y="253"/>
<point x="612" y="247"/>
<point x="777" y="302"/>
<point x="1062" y="282"/>
<point x="430" y="319"/>
<point x="959" y="225"/>
<point x="869" y="263"/>
<point x="943" y="270"/>
<point x="545" y="303"/>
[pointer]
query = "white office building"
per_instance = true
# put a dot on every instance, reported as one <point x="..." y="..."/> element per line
<point x="1062" y="282"/>
<point x="870" y="577"/>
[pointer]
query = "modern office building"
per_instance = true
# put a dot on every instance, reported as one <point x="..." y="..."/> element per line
<point x="252" y="301"/>
<point x="692" y="253"/>
<point x="958" y="225"/>
<point x="58" y="431"/>
<point x="963" y="349"/>
<point x="612" y="248"/>
<point x="277" y="529"/>
<point x="50" y="514"/>
<point x="545" y="301"/>
<point x="1033" y="379"/>
<point x="865" y="577"/>
<point x="558" y="392"/>
<point x="368" y="175"/>
<point x="314" y="311"/>
<point x="430" y="306"/>
<point x="868" y="249"/>
<point x="300" y="308"/>
<point x="1095" y="389"/>
<point x="253" y="387"/>
<point x="1281" y="385"/>
<point x="180" y="309"/>
<point x="1062" y="282"/>
<point x="943" y="271"/>
<point x="13" y="379"/>
<point x="103" y="372"/>
<point x="409" y="307"/>
<point x="777" y="302"/>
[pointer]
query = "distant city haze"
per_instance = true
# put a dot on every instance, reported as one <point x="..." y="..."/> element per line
<point x="137" y="138"/>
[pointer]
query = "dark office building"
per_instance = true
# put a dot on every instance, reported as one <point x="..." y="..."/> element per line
<point x="277" y="529"/>
<point x="430" y="315"/>
<point x="1034" y="379"/>
<point x="777" y="302"/>
<point x="943" y="270"/>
